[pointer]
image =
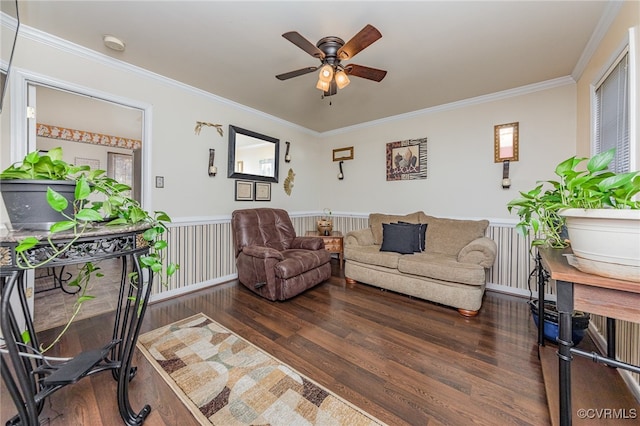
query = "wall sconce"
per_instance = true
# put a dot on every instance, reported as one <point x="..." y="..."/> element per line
<point x="287" y="157"/>
<point x="506" y="143"/>
<point x="340" y="174"/>
<point x="506" y="182"/>
<point x="212" y="168"/>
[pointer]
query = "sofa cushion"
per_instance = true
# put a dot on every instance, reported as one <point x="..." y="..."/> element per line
<point x="399" y="238"/>
<point x="449" y="236"/>
<point x="372" y="255"/>
<point x="442" y="267"/>
<point x="377" y="219"/>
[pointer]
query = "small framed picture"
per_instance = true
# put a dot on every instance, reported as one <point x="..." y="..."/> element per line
<point x="244" y="190"/>
<point x="407" y="160"/>
<point x="342" y="154"/>
<point x="263" y="191"/>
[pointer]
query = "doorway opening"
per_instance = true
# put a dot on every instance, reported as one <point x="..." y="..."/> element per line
<point x="93" y="128"/>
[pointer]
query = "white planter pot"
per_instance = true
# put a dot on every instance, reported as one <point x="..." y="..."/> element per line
<point x="605" y="241"/>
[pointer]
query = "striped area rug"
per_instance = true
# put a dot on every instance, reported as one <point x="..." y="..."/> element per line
<point x="225" y="380"/>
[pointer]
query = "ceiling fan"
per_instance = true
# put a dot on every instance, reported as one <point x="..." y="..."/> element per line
<point x="331" y="51"/>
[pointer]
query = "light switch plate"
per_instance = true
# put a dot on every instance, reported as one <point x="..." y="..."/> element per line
<point x="159" y="181"/>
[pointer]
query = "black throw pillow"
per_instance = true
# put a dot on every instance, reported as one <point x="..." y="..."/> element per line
<point x="398" y="238"/>
<point x="421" y="231"/>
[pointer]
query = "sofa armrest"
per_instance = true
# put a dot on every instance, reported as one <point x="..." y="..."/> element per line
<point x="361" y="237"/>
<point x="308" y="243"/>
<point x="481" y="251"/>
<point x="262" y="252"/>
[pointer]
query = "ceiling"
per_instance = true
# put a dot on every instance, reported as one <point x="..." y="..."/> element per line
<point x="435" y="52"/>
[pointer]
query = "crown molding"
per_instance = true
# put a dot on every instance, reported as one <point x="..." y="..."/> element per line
<point x="72" y="48"/>
<point x="85" y="53"/>
<point x="608" y="16"/>
<point x="491" y="97"/>
<point x="8" y="21"/>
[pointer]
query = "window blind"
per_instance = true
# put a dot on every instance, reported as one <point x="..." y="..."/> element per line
<point x="612" y="115"/>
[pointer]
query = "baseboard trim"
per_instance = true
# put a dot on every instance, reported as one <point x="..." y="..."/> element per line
<point x="191" y="288"/>
<point x="498" y="288"/>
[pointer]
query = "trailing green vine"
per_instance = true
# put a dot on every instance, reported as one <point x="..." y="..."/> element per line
<point x="98" y="199"/>
<point x="594" y="187"/>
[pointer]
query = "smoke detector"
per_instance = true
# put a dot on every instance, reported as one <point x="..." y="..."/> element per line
<point x="113" y="43"/>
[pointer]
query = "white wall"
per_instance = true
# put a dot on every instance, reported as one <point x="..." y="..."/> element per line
<point x="178" y="153"/>
<point x="463" y="180"/>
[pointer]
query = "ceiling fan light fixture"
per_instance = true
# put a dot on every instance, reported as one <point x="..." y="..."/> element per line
<point x="323" y="85"/>
<point x="326" y="73"/>
<point x="342" y="80"/>
<point x="330" y="50"/>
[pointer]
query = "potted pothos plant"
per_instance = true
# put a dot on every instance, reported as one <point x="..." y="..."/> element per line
<point x="579" y="199"/>
<point x="79" y="199"/>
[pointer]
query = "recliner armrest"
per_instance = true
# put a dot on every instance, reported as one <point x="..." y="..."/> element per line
<point x="481" y="251"/>
<point x="262" y="252"/>
<point x="360" y="237"/>
<point x="308" y="243"/>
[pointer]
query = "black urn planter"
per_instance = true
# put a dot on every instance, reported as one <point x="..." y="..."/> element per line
<point x="27" y="206"/>
<point x="579" y="321"/>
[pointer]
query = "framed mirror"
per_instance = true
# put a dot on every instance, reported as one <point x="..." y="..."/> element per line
<point x="252" y="156"/>
<point x="505" y="142"/>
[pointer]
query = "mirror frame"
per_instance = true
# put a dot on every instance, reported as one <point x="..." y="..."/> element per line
<point x="515" y="142"/>
<point x="231" y="173"/>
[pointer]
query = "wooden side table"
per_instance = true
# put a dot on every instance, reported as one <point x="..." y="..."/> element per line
<point x="598" y="295"/>
<point x="332" y="243"/>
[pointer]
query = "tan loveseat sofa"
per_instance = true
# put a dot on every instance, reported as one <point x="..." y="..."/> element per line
<point x="451" y="270"/>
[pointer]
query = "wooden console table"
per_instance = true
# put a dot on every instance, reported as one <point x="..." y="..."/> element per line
<point x="29" y="379"/>
<point x="598" y="295"/>
<point x="332" y="243"/>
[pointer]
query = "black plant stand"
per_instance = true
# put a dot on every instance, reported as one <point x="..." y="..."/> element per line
<point x="60" y="278"/>
<point x="30" y="380"/>
<point x="542" y="278"/>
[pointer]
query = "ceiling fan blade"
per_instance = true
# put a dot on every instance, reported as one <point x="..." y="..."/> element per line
<point x="304" y="44"/>
<point x="358" y="42"/>
<point x="296" y="73"/>
<point x="365" y="72"/>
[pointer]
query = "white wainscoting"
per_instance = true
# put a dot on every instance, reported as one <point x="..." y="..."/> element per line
<point x="204" y="250"/>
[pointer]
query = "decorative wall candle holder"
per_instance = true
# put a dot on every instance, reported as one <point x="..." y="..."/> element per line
<point x="212" y="168"/>
<point x="287" y="157"/>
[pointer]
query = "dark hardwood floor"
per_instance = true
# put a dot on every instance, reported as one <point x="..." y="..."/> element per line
<point x="403" y="360"/>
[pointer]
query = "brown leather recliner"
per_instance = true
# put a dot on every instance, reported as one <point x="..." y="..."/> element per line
<point x="271" y="260"/>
